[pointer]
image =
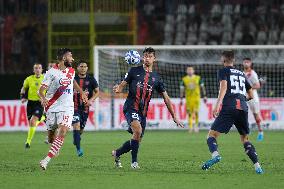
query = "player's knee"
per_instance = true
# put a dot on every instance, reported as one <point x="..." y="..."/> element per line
<point x="212" y="133"/>
<point x="244" y="138"/>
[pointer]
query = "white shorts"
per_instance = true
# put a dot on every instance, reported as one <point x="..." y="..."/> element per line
<point x="254" y="106"/>
<point x="53" y="119"/>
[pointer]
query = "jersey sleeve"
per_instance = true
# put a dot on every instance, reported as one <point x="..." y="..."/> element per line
<point x="47" y="78"/>
<point x="160" y="88"/>
<point x="248" y="86"/>
<point x="128" y="75"/>
<point x="26" y="83"/>
<point x="222" y="75"/>
<point x="254" y="78"/>
<point x="95" y="84"/>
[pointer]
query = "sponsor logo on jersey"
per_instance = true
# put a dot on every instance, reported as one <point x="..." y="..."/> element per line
<point x="65" y="81"/>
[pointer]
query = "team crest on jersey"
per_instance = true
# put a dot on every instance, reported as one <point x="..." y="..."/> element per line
<point x="153" y="79"/>
<point x="65" y="81"/>
<point x="87" y="82"/>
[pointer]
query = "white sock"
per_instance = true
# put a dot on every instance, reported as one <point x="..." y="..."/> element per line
<point x="214" y="154"/>
<point x="256" y="165"/>
<point x="261" y="132"/>
<point x="47" y="159"/>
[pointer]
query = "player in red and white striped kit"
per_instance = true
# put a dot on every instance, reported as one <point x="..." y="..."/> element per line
<point x="254" y="104"/>
<point x="58" y="101"/>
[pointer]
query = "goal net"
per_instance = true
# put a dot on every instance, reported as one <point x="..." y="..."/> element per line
<point x="171" y="63"/>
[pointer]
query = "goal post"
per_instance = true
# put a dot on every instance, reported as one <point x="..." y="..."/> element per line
<point x="171" y="63"/>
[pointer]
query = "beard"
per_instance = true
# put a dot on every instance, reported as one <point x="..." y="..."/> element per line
<point x="67" y="64"/>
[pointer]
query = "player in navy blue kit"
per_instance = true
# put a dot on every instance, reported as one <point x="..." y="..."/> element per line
<point x="232" y="95"/>
<point x="142" y="81"/>
<point x="81" y="110"/>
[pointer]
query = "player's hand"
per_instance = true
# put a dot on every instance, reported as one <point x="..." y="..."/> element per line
<point x="90" y="102"/>
<point x="23" y="100"/>
<point x="85" y="98"/>
<point x="44" y="102"/>
<point x="117" y="89"/>
<point x="216" y="110"/>
<point x="179" y="124"/>
<point x="205" y="100"/>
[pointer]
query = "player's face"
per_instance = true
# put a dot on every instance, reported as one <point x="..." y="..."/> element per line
<point x="37" y="69"/>
<point x="50" y="65"/>
<point x="149" y="59"/>
<point x="68" y="59"/>
<point x="82" y="69"/>
<point x="247" y="64"/>
<point x="190" y="71"/>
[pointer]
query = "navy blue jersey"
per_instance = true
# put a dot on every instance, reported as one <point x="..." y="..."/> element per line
<point x="141" y="85"/>
<point x="237" y="87"/>
<point x="87" y="84"/>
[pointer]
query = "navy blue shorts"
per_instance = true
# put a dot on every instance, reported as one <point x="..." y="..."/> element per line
<point x="227" y="118"/>
<point x="132" y="115"/>
<point x="80" y="117"/>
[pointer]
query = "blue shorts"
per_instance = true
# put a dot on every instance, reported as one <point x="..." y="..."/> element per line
<point x="132" y="115"/>
<point x="227" y="118"/>
<point x="80" y="117"/>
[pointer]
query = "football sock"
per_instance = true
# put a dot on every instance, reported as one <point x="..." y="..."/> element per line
<point x="31" y="134"/>
<point x="77" y="139"/>
<point x="55" y="147"/>
<point x="213" y="146"/>
<point x="126" y="147"/>
<point x="250" y="151"/>
<point x="134" y="149"/>
<point x="258" y="122"/>
<point x="190" y="122"/>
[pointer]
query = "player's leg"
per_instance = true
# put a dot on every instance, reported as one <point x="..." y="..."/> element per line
<point x="76" y="134"/>
<point x="65" y="120"/>
<point x="32" y="129"/>
<point x="136" y="138"/>
<point x="254" y="107"/>
<point x="222" y="124"/>
<point x="251" y="153"/>
<point x="242" y="126"/>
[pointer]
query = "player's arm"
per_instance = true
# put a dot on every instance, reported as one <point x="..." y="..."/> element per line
<point x="127" y="78"/>
<point x="78" y="88"/>
<point x="255" y="81"/>
<point x="249" y="91"/>
<point x="41" y="94"/>
<point x="203" y="90"/>
<point x="169" y="105"/>
<point x="181" y="87"/>
<point x="23" y="91"/>
<point x="222" y="92"/>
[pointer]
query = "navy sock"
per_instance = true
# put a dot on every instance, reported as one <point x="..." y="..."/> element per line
<point x="134" y="149"/>
<point x="250" y="151"/>
<point x="212" y="144"/>
<point x="76" y="139"/>
<point x="126" y="147"/>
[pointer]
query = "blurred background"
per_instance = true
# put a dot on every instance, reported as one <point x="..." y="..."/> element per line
<point x="32" y="30"/>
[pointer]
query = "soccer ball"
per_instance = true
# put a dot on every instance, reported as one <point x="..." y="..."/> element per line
<point x="132" y="57"/>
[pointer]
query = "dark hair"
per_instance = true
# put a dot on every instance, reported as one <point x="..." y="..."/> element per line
<point x="81" y="62"/>
<point x="61" y="52"/>
<point x="229" y="55"/>
<point x="246" y="58"/>
<point x="149" y="50"/>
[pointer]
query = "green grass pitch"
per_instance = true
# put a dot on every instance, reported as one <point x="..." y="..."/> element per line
<point x="168" y="159"/>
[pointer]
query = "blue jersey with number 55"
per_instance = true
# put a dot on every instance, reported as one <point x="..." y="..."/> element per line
<point x="237" y="87"/>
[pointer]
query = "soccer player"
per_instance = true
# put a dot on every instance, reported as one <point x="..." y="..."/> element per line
<point x="142" y="80"/>
<point x="232" y="95"/>
<point x="58" y="101"/>
<point x="34" y="107"/>
<point x="253" y="104"/>
<point x="191" y="85"/>
<point x="81" y="111"/>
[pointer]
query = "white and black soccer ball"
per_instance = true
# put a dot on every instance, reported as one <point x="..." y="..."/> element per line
<point x="132" y="57"/>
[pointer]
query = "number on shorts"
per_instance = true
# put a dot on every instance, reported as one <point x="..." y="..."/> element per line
<point x="65" y="118"/>
<point x="135" y="116"/>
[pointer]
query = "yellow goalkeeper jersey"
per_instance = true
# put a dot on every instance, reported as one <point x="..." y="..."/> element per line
<point x="32" y="84"/>
<point x="192" y="86"/>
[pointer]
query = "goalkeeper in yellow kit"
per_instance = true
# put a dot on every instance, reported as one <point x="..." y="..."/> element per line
<point x="190" y="87"/>
<point x="34" y="107"/>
